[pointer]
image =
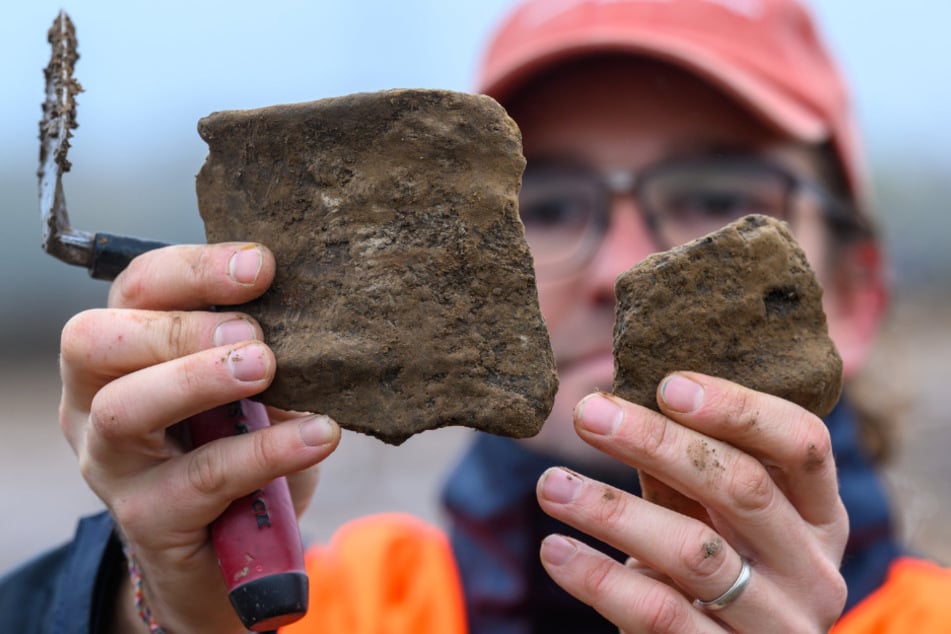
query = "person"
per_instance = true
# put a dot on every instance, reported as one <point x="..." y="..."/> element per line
<point x="644" y="122"/>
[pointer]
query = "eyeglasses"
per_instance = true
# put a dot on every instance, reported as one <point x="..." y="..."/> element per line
<point x="566" y="208"/>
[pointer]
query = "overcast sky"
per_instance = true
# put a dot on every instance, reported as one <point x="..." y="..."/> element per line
<point x="152" y="69"/>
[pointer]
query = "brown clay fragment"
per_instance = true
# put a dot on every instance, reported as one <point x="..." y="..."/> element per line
<point x="741" y="303"/>
<point x="405" y="296"/>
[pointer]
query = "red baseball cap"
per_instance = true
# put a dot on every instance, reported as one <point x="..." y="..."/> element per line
<point x="767" y="54"/>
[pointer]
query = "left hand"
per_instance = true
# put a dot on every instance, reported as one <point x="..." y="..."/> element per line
<point x="729" y="474"/>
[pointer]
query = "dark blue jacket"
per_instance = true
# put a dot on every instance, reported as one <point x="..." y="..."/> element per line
<point x="69" y="590"/>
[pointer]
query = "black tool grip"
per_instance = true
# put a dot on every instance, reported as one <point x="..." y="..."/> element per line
<point x="111" y="254"/>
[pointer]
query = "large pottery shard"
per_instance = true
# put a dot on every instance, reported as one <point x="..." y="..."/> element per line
<point x="405" y="296"/>
<point x="741" y="303"/>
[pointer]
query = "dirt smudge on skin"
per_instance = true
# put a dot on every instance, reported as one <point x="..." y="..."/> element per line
<point x="752" y="421"/>
<point x="698" y="451"/>
<point x="571" y="473"/>
<point x="814" y="460"/>
<point x="608" y="494"/>
<point x="712" y="548"/>
<point x="175" y="332"/>
<point x="703" y="457"/>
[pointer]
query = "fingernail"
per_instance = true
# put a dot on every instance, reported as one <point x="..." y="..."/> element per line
<point x="560" y="485"/>
<point x="557" y="550"/>
<point x="317" y="431"/>
<point x="599" y="414"/>
<point x="681" y="394"/>
<point x="248" y="363"/>
<point x="234" y="331"/>
<point x="245" y="265"/>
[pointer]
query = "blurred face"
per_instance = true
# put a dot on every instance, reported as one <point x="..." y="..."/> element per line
<point x="587" y="130"/>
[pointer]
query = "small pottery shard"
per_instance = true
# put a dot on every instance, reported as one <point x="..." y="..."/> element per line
<point x="741" y="303"/>
<point x="405" y="296"/>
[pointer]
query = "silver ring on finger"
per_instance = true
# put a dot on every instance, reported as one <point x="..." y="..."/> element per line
<point x="732" y="593"/>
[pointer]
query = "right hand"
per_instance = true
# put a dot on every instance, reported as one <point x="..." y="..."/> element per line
<point x="157" y="356"/>
<point x="730" y="475"/>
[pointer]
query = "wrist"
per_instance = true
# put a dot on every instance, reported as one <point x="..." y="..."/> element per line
<point x="143" y="611"/>
<point x="134" y="599"/>
<point x="125" y="618"/>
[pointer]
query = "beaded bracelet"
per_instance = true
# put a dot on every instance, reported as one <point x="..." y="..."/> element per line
<point x="135" y="576"/>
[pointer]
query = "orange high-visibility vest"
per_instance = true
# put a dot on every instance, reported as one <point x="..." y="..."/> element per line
<point x="394" y="574"/>
<point x="915" y="599"/>
<point x="383" y="574"/>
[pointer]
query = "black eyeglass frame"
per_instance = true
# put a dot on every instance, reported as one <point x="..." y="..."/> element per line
<point x="841" y="216"/>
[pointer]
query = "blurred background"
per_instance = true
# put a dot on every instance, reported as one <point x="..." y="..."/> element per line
<point x="152" y="70"/>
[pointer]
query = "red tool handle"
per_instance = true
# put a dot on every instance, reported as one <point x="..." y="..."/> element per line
<point x="257" y="538"/>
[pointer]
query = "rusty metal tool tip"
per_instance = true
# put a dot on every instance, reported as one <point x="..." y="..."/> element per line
<point x="56" y="128"/>
<point x="104" y="255"/>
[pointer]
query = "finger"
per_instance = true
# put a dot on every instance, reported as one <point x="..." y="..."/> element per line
<point x="745" y="505"/>
<point x="195" y="488"/>
<point x="185" y="277"/>
<point x="129" y="416"/>
<point x="688" y="551"/>
<point x="303" y="483"/>
<point x="656" y="492"/>
<point x="779" y="433"/>
<point x="98" y="346"/>
<point x="631" y="601"/>
<point x="699" y="562"/>
<point x="633" y="563"/>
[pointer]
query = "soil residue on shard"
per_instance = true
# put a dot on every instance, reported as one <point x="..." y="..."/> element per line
<point x="404" y="298"/>
<point x="741" y="303"/>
